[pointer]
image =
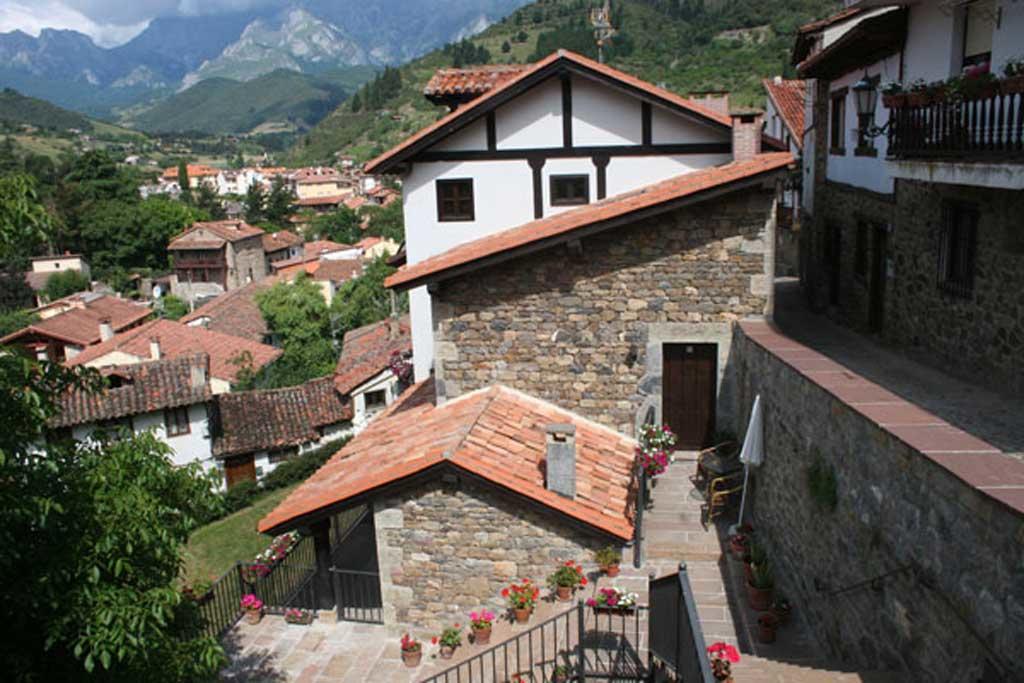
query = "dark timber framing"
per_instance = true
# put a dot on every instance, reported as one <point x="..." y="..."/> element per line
<point x="492" y="132"/>
<point x="566" y="109"/>
<point x="646" y="115"/>
<point x="586" y="151"/>
<point x="601" y="163"/>
<point x="536" y="164"/>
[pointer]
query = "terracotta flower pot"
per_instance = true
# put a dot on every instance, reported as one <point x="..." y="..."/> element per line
<point x="411" y="658"/>
<point x="894" y="101"/>
<point x="253" y="616"/>
<point x="766" y="627"/>
<point x="446" y="652"/>
<point x="738" y="546"/>
<point x="1011" y="85"/>
<point x="564" y="593"/>
<point x="560" y="678"/>
<point x="611" y="570"/>
<point x="759" y="599"/>
<point x="522" y="614"/>
<point x="482" y="636"/>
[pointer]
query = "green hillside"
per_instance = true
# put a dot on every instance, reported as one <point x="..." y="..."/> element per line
<point x="685" y="45"/>
<point x="17" y="109"/>
<point x="220" y="105"/>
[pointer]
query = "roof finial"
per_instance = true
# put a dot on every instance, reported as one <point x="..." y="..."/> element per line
<point x="601" y="19"/>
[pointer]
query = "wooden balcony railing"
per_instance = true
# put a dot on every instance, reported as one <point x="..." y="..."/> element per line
<point x="984" y="128"/>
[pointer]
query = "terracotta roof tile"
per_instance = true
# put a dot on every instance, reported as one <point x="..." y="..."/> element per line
<point x="452" y="120"/>
<point x="841" y="15"/>
<point x="282" y="239"/>
<point x="229" y="231"/>
<point x="336" y="270"/>
<point x="332" y="200"/>
<point x="471" y="80"/>
<point x="316" y="174"/>
<point x="194" y="171"/>
<point x="145" y="387"/>
<point x="413" y="434"/>
<point x="788" y="97"/>
<point x="176" y="340"/>
<point x="235" y="312"/>
<point x="367" y="350"/>
<point x="249" y="421"/>
<point x="80" y="324"/>
<point x="568" y="221"/>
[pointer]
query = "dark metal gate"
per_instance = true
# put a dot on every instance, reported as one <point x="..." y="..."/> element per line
<point x="354" y="573"/>
<point x="677" y="641"/>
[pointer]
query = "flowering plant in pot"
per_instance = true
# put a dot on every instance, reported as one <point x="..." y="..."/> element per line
<point x="760" y="587"/>
<point x="480" y="623"/>
<point x="567" y="578"/>
<point x="522" y="597"/>
<point x="560" y="674"/>
<point x="892" y="94"/>
<point x="739" y="545"/>
<point x="652" y="453"/>
<point x="253" y="607"/>
<point x="449" y="639"/>
<point x="294" y="615"/>
<point x="608" y="559"/>
<point x="767" y="624"/>
<point x="756" y="555"/>
<point x="412" y="651"/>
<point x="1013" y="76"/>
<point x="723" y="656"/>
<point x="612" y="600"/>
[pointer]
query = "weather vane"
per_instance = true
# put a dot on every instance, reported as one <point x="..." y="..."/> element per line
<point x="601" y="19"/>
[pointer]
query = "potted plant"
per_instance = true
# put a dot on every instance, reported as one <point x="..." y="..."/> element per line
<point x="760" y="587"/>
<point x="449" y="639"/>
<point x="253" y="608"/>
<point x="608" y="559"/>
<point x="766" y="627"/>
<point x="756" y="554"/>
<point x="612" y="600"/>
<point x="521" y="598"/>
<point x="656" y="442"/>
<point x="782" y="609"/>
<point x="1013" y="76"/>
<point x="294" y="615"/>
<point x="917" y="93"/>
<point x="412" y="651"/>
<point x="723" y="656"/>
<point x="893" y="96"/>
<point x="566" y="579"/>
<point x="739" y="545"/>
<point x="480" y="624"/>
<point x="560" y="674"/>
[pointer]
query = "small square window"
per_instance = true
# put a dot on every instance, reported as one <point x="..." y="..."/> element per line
<point x="956" y="249"/>
<point x="375" y="400"/>
<point x="280" y="455"/>
<point x="570" y="190"/>
<point x="176" y="421"/>
<point x="455" y="200"/>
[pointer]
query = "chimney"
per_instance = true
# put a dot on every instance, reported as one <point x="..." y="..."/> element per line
<point x="197" y="374"/>
<point x="715" y="100"/>
<point x="393" y="328"/>
<point x="746" y="134"/>
<point x="106" y="329"/>
<point x="778" y="80"/>
<point x="154" y="348"/>
<point x="561" y="459"/>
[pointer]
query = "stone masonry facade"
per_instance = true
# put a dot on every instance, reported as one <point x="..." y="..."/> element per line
<point x="448" y="547"/>
<point x="245" y="260"/>
<point x="979" y="337"/>
<point x="895" y="508"/>
<point x="582" y="325"/>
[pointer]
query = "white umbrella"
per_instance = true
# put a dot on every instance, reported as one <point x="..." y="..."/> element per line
<point x="752" y="453"/>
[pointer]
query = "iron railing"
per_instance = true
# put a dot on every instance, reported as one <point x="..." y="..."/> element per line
<point x="358" y="596"/>
<point x="677" y="641"/>
<point x="985" y="127"/>
<point x="220" y="607"/>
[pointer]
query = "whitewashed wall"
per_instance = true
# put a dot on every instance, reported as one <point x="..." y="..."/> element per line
<point x="385" y="380"/>
<point x="192" y="447"/>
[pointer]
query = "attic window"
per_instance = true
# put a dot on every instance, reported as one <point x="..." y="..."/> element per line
<point x="455" y="200"/>
<point x="570" y="190"/>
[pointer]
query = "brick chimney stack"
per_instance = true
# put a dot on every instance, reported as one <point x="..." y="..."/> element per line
<point x="746" y="134"/>
<point x="715" y="100"/>
<point x="154" y="348"/>
<point x="106" y="329"/>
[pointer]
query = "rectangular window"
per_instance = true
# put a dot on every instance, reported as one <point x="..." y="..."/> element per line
<point x="570" y="190"/>
<point x="979" y="24"/>
<point x="956" y="248"/>
<point x="375" y="400"/>
<point x="176" y="421"/>
<point x="455" y="200"/>
<point x="860" y="251"/>
<point x="837" y="123"/>
<point x="279" y="456"/>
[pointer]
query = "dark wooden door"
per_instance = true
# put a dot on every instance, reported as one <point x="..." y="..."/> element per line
<point x="689" y="392"/>
<point x="876" y="292"/>
<point x="835" y="246"/>
<point x="239" y="468"/>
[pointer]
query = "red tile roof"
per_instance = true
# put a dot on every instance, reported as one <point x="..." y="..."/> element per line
<point x="869" y="41"/>
<point x="335" y="270"/>
<point x="354" y="202"/>
<point x="841" y="15"/>
<point x="788" y="98"/>
<point x="497" y="434"/>
<point x="178" y="340"/>
<point x="317" y="247"/>
<point x="468" y="113"/>
<point x="229" y="231"/>
<point x="249" y="421"/>
<point x="235" y="312"/>
<point x="282" y="239"/>
<point x="332" y="200"/>
<point x="194" y="171"/>
<point x="145" y="387"/>
<point x="316" y="174"/>
<point x="538" y="232"/>
<point x="470" y="81"/>
<point x="80" y="323"/>
<point x="367" y="350"/>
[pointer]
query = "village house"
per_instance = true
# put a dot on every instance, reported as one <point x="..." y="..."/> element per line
<point x="198" y="174"/>
<point x="913" y="199"/>
<point x="280" y="246"/>
<point x="235" y="313"/>
<point x="228" y="355"/>
<point x="68" y="325"/>
<point x="45" y="266"/>
<point x="216" y="256"/>
<point x="366" y="367"/>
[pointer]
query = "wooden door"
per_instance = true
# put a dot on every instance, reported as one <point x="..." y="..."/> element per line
<point x="689" y="392"/>
<point x="239" y="468"/>
<point x="876" y="293"/>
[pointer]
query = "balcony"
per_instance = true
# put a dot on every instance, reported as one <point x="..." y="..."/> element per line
<point x="967" y="140"/>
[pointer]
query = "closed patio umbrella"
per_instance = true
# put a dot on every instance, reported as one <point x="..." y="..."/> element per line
<point x="752" y="454"/>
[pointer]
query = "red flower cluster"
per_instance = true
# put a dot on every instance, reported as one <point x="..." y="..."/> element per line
<point x="653" y="462"/>
<point x="521" y="595"/>
<point x="410" y="644"/>
<point x="724" y="651"/>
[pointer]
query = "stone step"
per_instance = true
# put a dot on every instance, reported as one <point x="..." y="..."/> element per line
<point x="753" y="669"/>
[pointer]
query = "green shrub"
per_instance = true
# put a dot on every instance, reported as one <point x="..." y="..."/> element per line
<point x="63" y="283"/>
<point x="301" y="467"/>
<point x="239" y="496"/>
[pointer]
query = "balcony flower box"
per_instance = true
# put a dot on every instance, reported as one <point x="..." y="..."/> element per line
<point x="1012" y="85"/>
<point x="613" y="601"/>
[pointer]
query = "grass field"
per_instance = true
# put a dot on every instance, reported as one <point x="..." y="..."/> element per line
<point x="215" y="547"/>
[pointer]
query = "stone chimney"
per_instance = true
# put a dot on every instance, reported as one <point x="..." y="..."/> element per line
<point x="154" y="348"/>
<point x="393" y="328"/>
<point x="197" y="374"/>
<point x="106" y="329"/>
<point x="715" y="100"/>
<point x="561" y="459"/>
<point x="746" y="134"/>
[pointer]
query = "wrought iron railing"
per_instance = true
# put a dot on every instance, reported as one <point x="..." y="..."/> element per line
<point x="677" y="641"/>
<point x="220" y="607"/>
<point x="358" y="595"/>
<point x="985" y="127"/>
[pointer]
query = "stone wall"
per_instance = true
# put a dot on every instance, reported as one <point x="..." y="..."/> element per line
<point x="446" y="549"/>
<point x="583" y="327"/>
<point x="896" y="508"/>
<point x="246" y="257"/>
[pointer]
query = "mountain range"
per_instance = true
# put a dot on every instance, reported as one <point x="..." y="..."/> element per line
<point x="175" y="53"/>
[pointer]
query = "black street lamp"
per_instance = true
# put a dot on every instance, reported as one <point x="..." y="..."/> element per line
<point x="865" y="96"/>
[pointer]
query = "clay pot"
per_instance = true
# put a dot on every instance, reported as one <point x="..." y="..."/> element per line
<point x="766" y="627"/>
<point x="482" y="636"/>
<point x="564" y="593"/>
<point x="411" y="658"/>
<point x="611" y="571"/>
<point x="759" y="599"/>
<point x="1013" y="84"/>
<point x="446" y="652"/>
<point x="739" y="545"/>
<point x="894" y="101"/>
<point x="522" y="614"/>
<point x="253" y="616"/>
<point x="560" y="678"/>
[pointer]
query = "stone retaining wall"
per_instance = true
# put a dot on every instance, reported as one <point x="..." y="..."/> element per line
<point x="896" y="508"/>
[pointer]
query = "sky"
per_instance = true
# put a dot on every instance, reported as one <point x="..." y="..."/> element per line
<point x="108" y="22"/>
